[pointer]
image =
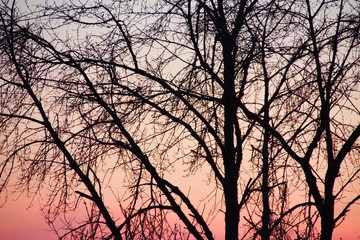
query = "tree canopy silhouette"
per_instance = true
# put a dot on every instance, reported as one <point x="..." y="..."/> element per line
<point x="186" y="113"/>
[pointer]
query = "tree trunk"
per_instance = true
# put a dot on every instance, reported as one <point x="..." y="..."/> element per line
<point x="327" y="210"/>
<point x="265" y="218"/>
<point x="327" y="223"/>
<point x="232" y="210"/>
<point x="231" y="171"/>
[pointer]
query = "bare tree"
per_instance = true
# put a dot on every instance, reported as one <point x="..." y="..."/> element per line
<point x="321" y="87"/>
<point x="247" y="96"/>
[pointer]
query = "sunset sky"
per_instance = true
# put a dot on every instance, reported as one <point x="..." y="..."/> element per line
<point x="165" y="153"/>
<point x="18" y="222"/>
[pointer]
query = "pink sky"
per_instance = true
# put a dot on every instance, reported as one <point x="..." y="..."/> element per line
<point x="17" y="222"/>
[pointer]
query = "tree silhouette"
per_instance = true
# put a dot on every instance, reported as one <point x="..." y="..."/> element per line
<point x="139" y="101"/>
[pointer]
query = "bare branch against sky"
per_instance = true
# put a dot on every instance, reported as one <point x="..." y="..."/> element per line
<point x="182" y="119"/>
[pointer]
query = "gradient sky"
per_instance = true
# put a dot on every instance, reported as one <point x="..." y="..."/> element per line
<point x="18" y="221"/>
